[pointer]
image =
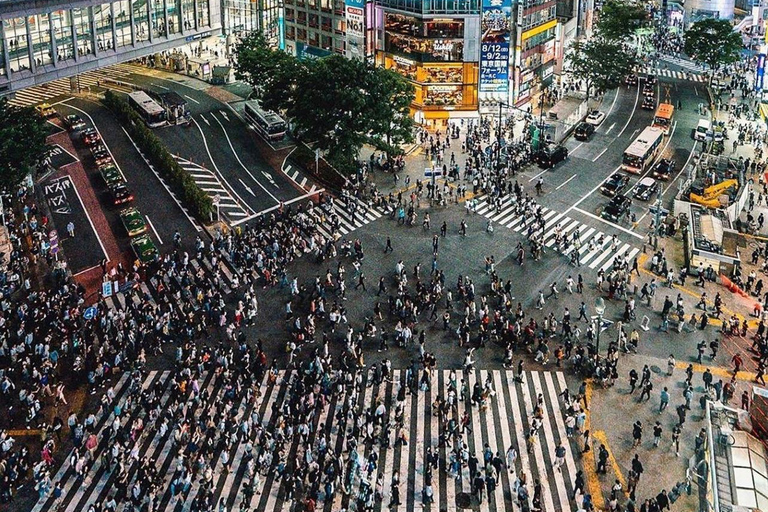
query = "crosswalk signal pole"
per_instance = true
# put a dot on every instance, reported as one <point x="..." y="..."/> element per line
<point x="599" y="309"/>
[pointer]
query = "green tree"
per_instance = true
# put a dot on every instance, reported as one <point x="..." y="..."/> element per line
<point x="713" y="42"/>
<point x="22" y="143"/>
<point x="599" y="63"/>
<point x="618" y="19"/>
<point x="274" y="74"/>
<point x="336" y="103"/>
<point x="389" y="97"/>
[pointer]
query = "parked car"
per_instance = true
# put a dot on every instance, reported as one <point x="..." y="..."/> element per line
<point x="111" y="175"/>
<point x="663" y="169"/>
<point x="133" y="222"/>
<point x="74" y="123"/>
<point x="618" y="207"/>
<point x="649" y="103"/>
<point x="90" y="136"/>
<point x="45" y="110"/>
<point x="583" y="131"/>
<point x="119" y="193"/>
<point x="646" y="188"/>
<point x="550" y="156"/>
<point x="615" y="184"/>
<point x="595" y="117"/>
<point x="102" y="157"/>
<point x="144" y="249"/>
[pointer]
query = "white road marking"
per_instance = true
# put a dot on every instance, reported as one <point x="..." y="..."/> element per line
<point x="154" y="230"/>
<point x="565" y="182"/>
<point x="610" y="128"/>
<point x="193" y="100"/>
<point x="600" y="154"/>
<point x="621" y="228"/>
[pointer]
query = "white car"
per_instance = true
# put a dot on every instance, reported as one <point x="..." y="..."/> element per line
<point x="595" y="117"/>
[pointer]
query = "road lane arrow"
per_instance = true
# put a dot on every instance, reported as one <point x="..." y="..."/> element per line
<point x="225" y="115"/>
<point x="204" y="119"/>
<point x="249" y="189"/>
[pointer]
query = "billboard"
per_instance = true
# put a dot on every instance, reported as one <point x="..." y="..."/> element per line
<point x="494" y="45"/>
<point x="760" y="75"/>
<point x="355" y="18"/>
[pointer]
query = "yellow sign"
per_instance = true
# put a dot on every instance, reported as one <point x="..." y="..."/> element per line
<point x="538" y="30"/>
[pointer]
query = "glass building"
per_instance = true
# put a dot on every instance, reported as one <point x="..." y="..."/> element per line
<point x="41" y="41"/>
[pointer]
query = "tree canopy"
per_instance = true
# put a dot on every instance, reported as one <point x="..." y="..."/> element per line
<point x="618" y="19"/>
<point x="600" y="63"/>
<point x="713" y="42"/>
<point x="338" y="104"/>
<point x="22" y="143"/>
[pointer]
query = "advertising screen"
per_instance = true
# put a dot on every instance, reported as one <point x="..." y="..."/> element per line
<point x="494" y="45"/>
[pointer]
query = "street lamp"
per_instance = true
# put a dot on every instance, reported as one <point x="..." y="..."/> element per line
<point x="599" y="309"/>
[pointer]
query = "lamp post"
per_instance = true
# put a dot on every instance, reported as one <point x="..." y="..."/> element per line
<point x="599" y="309"/>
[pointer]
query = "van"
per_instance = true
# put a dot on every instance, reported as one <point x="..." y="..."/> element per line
<point x="702" y="130"/>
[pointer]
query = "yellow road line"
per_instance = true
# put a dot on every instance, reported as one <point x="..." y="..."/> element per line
<point x="588" y="461"/>
<point x="600" y="436"/>
<point x="717" y="371"/>
<point x="23" y="432"/>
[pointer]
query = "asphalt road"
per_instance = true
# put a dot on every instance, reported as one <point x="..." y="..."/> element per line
<point x="221" y="141"/>
<point x="151" y="197"/>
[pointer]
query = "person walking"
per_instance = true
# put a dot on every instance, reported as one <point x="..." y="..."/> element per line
<point x="71" y="229"/>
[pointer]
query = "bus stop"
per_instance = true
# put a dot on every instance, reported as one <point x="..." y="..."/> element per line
<point x="176" y="107"/>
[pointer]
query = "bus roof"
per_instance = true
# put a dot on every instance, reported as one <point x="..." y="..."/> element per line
<point x="147" y="103"/>
<point x="665" y="110"/>
<point x="645" y="140"/>
<point x="269" y="116"/>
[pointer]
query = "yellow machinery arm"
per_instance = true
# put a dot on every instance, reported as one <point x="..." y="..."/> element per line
<point x="714" y="191"/>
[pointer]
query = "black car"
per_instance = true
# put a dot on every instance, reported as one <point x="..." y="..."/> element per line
<point x="550" y="156"/>
<point x="583" y="131"/>
<point x="646" y="188"/>
<point x="119" y="194"/>
<point x="650" y="79"/>
<point x="663" y="170"/>
<point x="615" y="184"/>
<point x="649" y="90"/>
<point x="649" y="103"/>
<point x="618" y="207"/>
<point x="631" y="80"/>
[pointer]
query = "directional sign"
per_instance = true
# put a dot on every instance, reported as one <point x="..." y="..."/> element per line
<point x="106" y="288"/>
<point x="605" y="325"/>
<point x="90" y="313"/>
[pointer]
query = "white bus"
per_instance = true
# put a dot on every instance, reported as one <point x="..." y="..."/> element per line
<point x="270" y="125"/>
<point x="149" y="110"/>
<point x="643" y="150"/>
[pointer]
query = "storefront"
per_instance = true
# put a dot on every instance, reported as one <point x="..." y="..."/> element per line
<point x="430" y="53"/>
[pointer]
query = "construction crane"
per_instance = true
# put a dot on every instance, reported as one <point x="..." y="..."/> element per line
<point x="710" y="199"/>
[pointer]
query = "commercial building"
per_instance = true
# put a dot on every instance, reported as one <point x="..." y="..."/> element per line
<point x="43" y="40"/>
<point x="315" y="28"/>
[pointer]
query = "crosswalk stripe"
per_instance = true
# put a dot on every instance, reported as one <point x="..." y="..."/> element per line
<point x="613" y="257"/>
<point x="554" y="393"/>
<point x="541" y="467"/>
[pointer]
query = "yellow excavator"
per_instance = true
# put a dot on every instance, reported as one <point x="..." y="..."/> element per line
<point x="710" y="199"/>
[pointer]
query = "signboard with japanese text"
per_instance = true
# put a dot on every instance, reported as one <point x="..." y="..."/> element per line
<point x="494" y="45"/>
<point x="760" y="74"/>
<point x="355" y="29"/>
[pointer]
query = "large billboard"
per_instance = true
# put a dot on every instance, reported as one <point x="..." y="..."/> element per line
<point x="494" y="45"/>
<point x="355" y="18"/>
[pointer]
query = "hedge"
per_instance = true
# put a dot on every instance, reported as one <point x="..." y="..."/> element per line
<point x="179" y="180"/>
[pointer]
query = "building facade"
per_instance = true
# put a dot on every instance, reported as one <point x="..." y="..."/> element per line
<point x="315" y="28"/>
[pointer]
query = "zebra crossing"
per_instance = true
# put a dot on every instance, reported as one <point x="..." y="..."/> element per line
<point x="669" y="73"/>
<point x="599" y="255"/>
<point x="504" y="421"/>
<point x="683" y="63"/>
<point x="63" y="86"/>
<point x="339" y="221"/>
<point x="298" y="179"/>
<point x="231" y="207"/>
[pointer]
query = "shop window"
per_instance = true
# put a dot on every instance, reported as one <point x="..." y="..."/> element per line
<point x="121" y="12"/>
<point x="158" y="19"/>
<point x="16" y="35"/>
<point x="203" y="14"/>
<point x="425" y="50"/>
<point x="102" y="22"/>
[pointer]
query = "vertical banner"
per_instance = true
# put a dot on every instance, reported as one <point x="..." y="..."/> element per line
<point x="494" y="45"/>
<point x="760" y="74"/>
<point x="355" y="18"/>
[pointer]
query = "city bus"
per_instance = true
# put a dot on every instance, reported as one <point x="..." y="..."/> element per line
<point x="640" y="154"/>
<point x="270" y="125"/>
<point x="152" y="113"/>
<point x="663" y="118"/>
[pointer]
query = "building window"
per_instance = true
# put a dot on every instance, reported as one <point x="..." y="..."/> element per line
<point x="158" y="19"/>
<point x="203" y="14"/>
<point x="62" y="30"/>
<point x="82" y="22"/>
<point x="102" y="22"/>
<point x="16" y="35"/>
<point x="174" y="18"/>
<point x="188" y="11"/>
<point x="40" y="31"/>
<point x="141" y="20"/>
<point x="122" y="22"/>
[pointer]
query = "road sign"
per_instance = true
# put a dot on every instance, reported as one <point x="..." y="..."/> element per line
<point x="90" y="313"/>
<point x="106" y="288"/>
<point x="605" y="325"/>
